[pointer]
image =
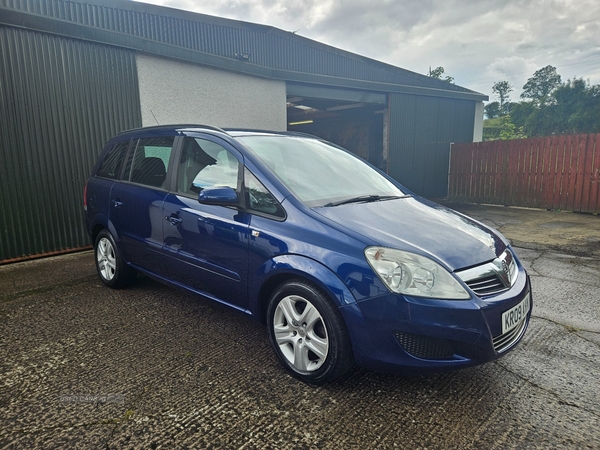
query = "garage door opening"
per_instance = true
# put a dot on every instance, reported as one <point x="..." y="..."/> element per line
<point x="354" y="125"/>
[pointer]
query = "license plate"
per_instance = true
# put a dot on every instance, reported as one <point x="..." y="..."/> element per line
<point x="512" y="318"/>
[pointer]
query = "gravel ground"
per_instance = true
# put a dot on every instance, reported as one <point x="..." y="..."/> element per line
<point x="83" y="366"/>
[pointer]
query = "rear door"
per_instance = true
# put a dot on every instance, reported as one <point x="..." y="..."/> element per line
<point x="100" y="185"/>
<point x="136" y="203"/>
<point x="206" y="246"/>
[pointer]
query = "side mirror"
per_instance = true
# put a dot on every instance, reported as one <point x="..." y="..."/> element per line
<point x="224" y="196"/>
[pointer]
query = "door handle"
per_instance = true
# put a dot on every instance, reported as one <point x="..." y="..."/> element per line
<point x="173" y="220"/>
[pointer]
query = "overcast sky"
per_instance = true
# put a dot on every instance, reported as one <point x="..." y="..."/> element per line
<point x="478" y="42"/>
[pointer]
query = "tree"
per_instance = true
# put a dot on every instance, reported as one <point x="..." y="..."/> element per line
<point x="535" y="120"/>
<point x="577" y="107"/>
<point x="539" y="87"/>
<point x="551" y="108"/>
<point x="510" y="131"/>
<point x="520" y="112"/>
<point x="508" y="107"/>
<point x="502" y="128"/>
<point x="492" y="110"/>
<point x="571" y="108"/>
<point x="438" y="72"/>
<point x="502" y="89"/>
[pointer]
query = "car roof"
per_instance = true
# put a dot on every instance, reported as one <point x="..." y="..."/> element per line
<point x="232" y="132"/>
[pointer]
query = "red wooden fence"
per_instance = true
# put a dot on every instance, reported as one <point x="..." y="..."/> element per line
<point x="558" y="172"/>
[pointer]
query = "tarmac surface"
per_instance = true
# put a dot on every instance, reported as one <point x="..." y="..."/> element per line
<point x="563" y="231"/>
<point x="83" y="366"/>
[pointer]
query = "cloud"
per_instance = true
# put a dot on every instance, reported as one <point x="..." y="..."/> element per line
<point x="514" y="69"/>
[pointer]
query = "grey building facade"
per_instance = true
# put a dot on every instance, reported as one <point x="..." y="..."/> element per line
<point x="74" y="73"/>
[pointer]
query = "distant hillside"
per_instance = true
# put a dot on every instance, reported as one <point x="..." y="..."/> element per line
<point x="492" y="128"/>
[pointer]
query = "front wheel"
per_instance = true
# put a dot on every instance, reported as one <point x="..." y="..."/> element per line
<point x="111" y="268"/>
<point x="308" y="334"/>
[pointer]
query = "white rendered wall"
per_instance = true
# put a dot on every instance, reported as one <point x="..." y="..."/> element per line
<point x="174" y="92"/>
<point x="478" y="125"/>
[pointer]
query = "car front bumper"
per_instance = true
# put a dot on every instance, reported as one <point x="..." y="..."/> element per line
<point x="415" y="335"/>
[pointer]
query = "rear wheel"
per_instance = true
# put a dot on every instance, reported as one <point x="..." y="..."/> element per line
<point x="111" y="268"/>
<point x="308" y="333"/>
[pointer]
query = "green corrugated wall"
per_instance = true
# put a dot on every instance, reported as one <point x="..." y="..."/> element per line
<point x="421" y="130"/>
<point x="60" y="100"/>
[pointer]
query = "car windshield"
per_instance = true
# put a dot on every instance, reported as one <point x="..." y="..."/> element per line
<point x="320" y="174"/>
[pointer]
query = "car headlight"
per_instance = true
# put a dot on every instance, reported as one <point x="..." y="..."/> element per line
<point x="411" y="274"/>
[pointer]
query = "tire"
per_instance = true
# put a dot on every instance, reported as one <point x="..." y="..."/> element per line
<point x="112" y="270"/>
<point x="308" y="333"/>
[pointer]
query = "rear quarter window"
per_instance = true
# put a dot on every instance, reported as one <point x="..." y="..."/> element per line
<point x="149" y="163"/>
<point x="113" y="161"/>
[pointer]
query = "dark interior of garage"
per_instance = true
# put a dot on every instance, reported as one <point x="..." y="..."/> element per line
<point x="356" y="126"/>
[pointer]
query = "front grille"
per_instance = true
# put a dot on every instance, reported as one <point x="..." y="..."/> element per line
<point x="425" y="347"/>
<point x="505" y="341"/>
<point x="487" y="285"/>
<point x="493" y="277"/>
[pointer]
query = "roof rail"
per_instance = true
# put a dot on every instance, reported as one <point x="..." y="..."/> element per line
<point x="177" y="126"/>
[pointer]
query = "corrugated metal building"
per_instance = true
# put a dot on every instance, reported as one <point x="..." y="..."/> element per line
<point x="74" y="73"/>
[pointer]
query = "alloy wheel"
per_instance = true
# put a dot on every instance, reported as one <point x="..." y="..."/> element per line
<point x="107" y="260"/>
<point x="300" y="333"/>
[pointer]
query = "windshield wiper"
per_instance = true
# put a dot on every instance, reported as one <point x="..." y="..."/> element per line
<point x="365" y="199"/>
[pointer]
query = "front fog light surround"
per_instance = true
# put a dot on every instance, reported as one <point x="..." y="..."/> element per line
<point x="411" y="274"/>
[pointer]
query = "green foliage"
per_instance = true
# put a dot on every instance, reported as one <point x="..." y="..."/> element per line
<point x="552" y="107"/>
<point x="571" y="108"/>
<point x="502" y="89"/>
<point x="438" y="72"/>
<point x="492" y="128"/>
<point x="501" y="128"/>
<point x="577" y="107"/>
<point x="539" y="87"/>
<point x="510" y="131"/>
<point x="492" y="110"/>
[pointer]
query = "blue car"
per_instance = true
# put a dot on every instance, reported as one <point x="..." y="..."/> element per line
<point x="342" y="263"/>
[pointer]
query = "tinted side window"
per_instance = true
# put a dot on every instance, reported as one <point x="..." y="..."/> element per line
<point x="258" y="197"/>
<point x="113" y="162"/>
<point x="205" y="164"/>
<point x="149" y="163"/>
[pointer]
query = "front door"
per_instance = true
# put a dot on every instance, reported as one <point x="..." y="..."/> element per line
<point x="206" y="246"/>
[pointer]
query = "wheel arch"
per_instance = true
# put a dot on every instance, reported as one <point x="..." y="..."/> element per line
<point x="96" y="231"/>
<point x="283" y="268"/>
<point x="101" y="222"/>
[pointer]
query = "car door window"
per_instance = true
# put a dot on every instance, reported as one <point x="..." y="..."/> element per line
<point x="259" y="199"/>
<point x="113" y="162"/>
<point x="205" y="164"/>
<point x="149" y="162"/>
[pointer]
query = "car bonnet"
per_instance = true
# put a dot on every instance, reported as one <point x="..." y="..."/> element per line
<point x="416" y="225"/>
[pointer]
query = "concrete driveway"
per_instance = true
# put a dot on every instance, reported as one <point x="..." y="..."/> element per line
<point x="561" y="231"/>
<point x="149" y="367"/>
